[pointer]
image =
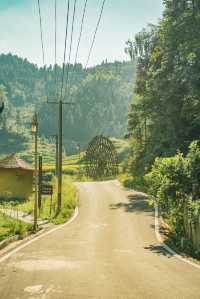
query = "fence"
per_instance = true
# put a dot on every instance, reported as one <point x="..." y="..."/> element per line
<point x="192" y="230"/>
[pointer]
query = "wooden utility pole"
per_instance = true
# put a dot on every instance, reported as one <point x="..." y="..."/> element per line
<point x="60" y="145"/>
<point x="56" y="154"/>
<point x="35" y="132"/>
<point x="60" y="129"/>
<point x="56" y="172"/>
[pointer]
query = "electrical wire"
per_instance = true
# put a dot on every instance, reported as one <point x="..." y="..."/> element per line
<point x="81" y="31"/>
<point x="64" y="58"/>
<point x="79" y="38"/>
<point x="41" y="32"/>
<point x="71" y="41"/>
<point x="95" y="33"/>
<point x="55" y="35"/>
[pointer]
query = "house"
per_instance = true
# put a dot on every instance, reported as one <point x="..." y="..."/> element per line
<point x="16" y="178"/>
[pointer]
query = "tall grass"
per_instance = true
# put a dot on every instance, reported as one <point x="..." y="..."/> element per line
<point x="49" y="205"/>
<point x="11" y="227"/>
<point x="69" y="202"/>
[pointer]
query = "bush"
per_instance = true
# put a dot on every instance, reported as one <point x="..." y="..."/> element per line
<point x="10" y="227"/>
<point x="174" y="182"/>
<point x="126" y="180"/>
<point x="167" y="181"/>
<point x="193" y="164"/>
<point x="133" y="182"/>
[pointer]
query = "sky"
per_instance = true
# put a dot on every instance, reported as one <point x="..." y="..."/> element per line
<point x="121" y="20"/>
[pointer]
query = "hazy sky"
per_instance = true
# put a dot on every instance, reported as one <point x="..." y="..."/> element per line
<point x="19" y="27"/>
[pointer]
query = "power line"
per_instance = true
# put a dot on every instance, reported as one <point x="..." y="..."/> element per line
<point x="55" y="35"/>
<point x="41" y="32"/>
<point x="64" y="59"/>
<point x="95" y="33"/>
<point x="81" y="31"/>
<point x="71" y="40"/>
<point x="80" y="35"/>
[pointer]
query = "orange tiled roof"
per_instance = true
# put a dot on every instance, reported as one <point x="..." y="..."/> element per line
<point x="13" y="162"/>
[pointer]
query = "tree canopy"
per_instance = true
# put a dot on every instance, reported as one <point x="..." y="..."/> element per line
<point x="165" y="114"/>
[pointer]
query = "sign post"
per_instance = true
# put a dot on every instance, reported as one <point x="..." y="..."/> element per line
<point x="40" y="184"/>
<point x="47" y="189"/>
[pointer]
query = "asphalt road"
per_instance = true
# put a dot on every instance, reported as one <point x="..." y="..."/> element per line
<point x="110" y="251"/>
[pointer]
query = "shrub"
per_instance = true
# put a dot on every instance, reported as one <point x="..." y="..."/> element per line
<point x="167" y="181"/>
<point x="127" y="180"/>
<point x="174" y="182"/>
<point x="133" y="182"/>
<point x="193" y="164"/>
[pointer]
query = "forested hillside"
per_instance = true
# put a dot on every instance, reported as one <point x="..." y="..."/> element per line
<point x="101" y="95"/>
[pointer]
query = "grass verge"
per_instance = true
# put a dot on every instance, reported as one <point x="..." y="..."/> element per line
<point x="69" y="202"/>
<point x="11" y="227"/>
<point x="49" y="206"/>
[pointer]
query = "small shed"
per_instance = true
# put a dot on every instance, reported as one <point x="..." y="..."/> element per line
<point x="16" y="178"/>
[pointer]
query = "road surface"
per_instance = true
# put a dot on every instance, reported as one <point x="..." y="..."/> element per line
<point x="110" y="251"/>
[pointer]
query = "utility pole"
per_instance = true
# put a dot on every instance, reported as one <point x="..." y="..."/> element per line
<point x="60" y="129"/>
<point x="56" y="136"/>
<point x="56" y="154"/>
<point x="60" y="144"/>
<point x="35" y="132"/>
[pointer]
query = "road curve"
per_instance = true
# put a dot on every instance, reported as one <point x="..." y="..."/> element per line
<point x="110" y="251"/>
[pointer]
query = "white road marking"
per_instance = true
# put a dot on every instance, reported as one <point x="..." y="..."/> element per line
<point x="48" y="264"/>
<point x="35" y="289"/>
<point x="6" y="256"/>
<point x="167" y="248"/>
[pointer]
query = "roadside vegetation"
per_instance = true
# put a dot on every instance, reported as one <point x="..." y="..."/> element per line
<point x="174" y="183"/>
<point x="164" y="118"/>
<point x="49" y="207"/>
<point x="69" y="202"/>
<point x="10" y="227"/>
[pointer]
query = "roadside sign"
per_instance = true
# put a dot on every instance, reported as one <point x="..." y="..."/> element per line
<point x="47" y="190"/>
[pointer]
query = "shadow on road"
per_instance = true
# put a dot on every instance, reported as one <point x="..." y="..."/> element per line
<point x="137" y="203"/>
<point x="159" y="249"/>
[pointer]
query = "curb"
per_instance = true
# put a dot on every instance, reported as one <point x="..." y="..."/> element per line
<point x="159" y="237"/>
<point x="38" y="236"/>
<point x="15" y="241"/>
<point x="165" y="246"/>
<point x="7" y="241"/>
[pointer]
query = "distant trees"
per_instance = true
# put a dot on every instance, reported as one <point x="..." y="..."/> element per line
<point x="102" y="95"/>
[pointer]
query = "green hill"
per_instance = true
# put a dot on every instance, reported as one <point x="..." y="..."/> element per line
<point x="101" y="95"/>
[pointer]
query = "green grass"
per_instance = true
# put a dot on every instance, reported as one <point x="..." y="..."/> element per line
<point x="69" y="202"/>
<point x="49" y="210"/>
<point x="11" y="227"/>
